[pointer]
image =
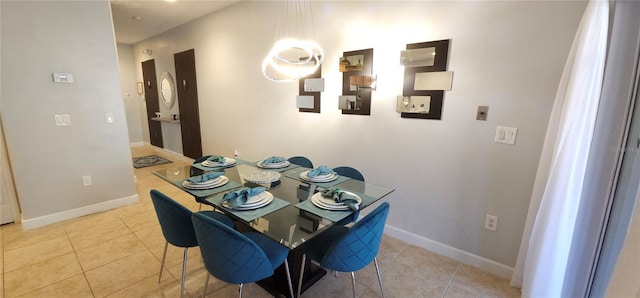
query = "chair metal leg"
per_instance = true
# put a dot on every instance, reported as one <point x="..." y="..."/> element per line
<point x="206" y="283"/>
<point x="184" y="271"/>
<point x="240" y="290"/>
<point x="304" y="258"/>
<point x="375" y="261"/>
<point x="286" y="267"/>
<point x="353" y="284"/>
<point x="164" y="255"/>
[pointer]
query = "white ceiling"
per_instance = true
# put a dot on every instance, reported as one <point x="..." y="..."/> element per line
<point x="157" y="16"/>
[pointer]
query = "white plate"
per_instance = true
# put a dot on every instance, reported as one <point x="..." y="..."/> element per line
<point x="322" y="178"/>
<point x="279" y="165"/>
<point x="255" y="202"/>
<point x="329" y="204"/>
<point x="257" y="199"/>
<point x="227" y="162"/>
<point x="263" y="177"/>
<point x="222" y="180"/>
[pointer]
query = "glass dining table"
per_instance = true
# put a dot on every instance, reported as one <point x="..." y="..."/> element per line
<point x="290" y="219"/>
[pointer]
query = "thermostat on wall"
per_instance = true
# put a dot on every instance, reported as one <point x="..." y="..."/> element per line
<point x="62" y="77"/>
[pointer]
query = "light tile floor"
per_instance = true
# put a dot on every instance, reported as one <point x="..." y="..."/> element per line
<point x="117" y="254"/>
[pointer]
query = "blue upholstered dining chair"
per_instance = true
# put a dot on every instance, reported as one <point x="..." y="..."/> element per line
<point x="301" y="161"/>
<point x="234" y="257"/>
<point x="349" y="172"/>
<point x="175" y="222"/>
<point x="344" y="249"/>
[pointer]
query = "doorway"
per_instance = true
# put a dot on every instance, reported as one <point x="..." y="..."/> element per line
<point x="153" y="105"/>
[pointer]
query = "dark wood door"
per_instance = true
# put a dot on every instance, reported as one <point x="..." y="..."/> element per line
<point x="186" y="84"/>
<point x="153" y="105"/>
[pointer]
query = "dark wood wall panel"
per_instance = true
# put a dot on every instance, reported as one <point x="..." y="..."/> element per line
<point x="151" y="98"/>
<point x="186" y="85"/>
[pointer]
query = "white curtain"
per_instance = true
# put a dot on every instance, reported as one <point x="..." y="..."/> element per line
<point x="546" y="241"/>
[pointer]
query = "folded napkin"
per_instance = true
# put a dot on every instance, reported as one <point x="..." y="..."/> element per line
<point x="205" y="177"/>
<point x="274" y="159"/>
<point x="240" y="196"/>
<point x="216" y="158"/>
<point x="340" y="196"/>
<point x="319" y="171"/>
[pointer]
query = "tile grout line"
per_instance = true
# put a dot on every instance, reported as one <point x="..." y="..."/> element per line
<point x="84" y="271"/>
<point x="374" y="283"/>
<point x="2" y="260"/>
<point x="75" y="252"/>
<point x="44" y="286"/>
<point x="451" y="281"/>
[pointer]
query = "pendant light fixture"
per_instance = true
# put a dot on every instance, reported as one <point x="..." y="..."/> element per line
<point x="294" y="55"/>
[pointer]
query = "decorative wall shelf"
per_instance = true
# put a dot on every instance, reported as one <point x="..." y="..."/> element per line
<point x="422" y="60"/>
<point x="356" y="100"/>
<point x="314" y="93"/>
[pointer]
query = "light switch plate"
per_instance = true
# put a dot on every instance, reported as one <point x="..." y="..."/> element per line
<point x="62" y="77"/>
<point x="506" y="135"/>
<point x="109" y="117"/>
<point x="62" y="120"/>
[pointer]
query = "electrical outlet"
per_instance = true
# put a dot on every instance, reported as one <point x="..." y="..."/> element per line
<point x="236" y="153"/>
<point x="491" y="222"/>
<point x="86" y="180"/>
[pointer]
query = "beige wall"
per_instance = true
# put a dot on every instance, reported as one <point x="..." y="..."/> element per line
<point x="447" y="174"/>
<point x="132" y="100"/>
<point x="49" y="161"/>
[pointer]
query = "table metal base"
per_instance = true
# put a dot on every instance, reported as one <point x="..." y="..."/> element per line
<point x="277" y="283"/>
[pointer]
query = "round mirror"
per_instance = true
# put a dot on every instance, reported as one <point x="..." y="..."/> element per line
<point x="167" y="89"/>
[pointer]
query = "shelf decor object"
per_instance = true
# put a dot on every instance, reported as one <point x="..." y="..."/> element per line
<point x="294" y="55"/>
<point x="425" y="80"/>
<point x="357" y="82"/>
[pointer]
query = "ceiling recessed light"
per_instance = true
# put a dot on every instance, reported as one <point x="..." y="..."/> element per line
<point x="136" y="18"/>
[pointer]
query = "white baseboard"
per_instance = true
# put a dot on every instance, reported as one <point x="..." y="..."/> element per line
<point x="459" y="255"/>
<point x="177" y="155"/>
<point x="164" y="150"/>
<point x="73" y="213"/>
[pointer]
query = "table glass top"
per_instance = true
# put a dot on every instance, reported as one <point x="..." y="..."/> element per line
<point x="290" y="225"/>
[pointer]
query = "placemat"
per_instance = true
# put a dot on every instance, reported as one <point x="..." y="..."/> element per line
<point x="249" y="215"/>
<point x="295" y="174"/>
<point x="207" y="169"/>
<point x="334" y="215"/>
<point x="289" y="167"/>
<point x="201" y="193"/>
